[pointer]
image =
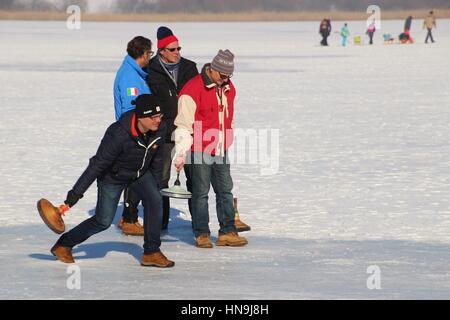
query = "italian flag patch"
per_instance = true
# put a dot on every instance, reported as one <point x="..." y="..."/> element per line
<point x="132" y="92"/>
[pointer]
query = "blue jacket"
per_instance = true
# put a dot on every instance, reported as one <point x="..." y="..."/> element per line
<point x="123" y="156"/>
<point x="129" y="83"/>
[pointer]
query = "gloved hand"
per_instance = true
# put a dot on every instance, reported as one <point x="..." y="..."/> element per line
<point x="72" y="198"/>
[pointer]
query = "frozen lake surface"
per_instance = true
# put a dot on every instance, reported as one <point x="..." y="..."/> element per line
<point x="362" y="177"/>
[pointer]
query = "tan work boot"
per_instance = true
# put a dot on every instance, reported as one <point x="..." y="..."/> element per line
<point x="231" y="239"/>
<point x="203" y="241"/>
<point x="63" y="254"/>
<point x="240" y="226"/>
<point x="131" y="229"/>
<point x="156" y="259"/>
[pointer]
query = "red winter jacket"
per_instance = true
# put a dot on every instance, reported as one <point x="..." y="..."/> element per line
<point x="205" y="116"/>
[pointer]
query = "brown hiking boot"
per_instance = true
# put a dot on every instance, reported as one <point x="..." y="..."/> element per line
<point x="63" y="254"/>
<point x="131" y="229"/>
<point x="203" y="241"/>
<point x="156" y="259"/>
<point x="231" y="239"/>
<point x="240" y="226"/>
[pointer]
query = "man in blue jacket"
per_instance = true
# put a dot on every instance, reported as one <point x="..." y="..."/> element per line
<point x="128" y="157"/>
<point x="129" y="83"/>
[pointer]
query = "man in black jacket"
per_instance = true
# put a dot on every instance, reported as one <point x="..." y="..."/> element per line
<point x="128" y="156"/>
<point x="168" y="72"/>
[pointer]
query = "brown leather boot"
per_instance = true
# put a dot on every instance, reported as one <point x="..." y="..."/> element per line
<point x="203" y="241"/>
<point x="240" y="226"/>
<point x="231" y="239"/>
<point x="63" y="254"/>
<point x="156" y="259"/>
<point x="131" y="229"/>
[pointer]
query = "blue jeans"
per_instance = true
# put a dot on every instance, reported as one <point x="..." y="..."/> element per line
<point x="107" y="202"/>
<point x="209" y="170"/>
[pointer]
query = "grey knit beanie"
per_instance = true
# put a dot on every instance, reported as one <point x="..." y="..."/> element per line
<point x="223" y="62"/>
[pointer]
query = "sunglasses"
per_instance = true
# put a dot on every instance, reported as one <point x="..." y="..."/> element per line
<point x="225" y="76"/>
<point x="173" y="49"/>
<point x="156" y="117"/>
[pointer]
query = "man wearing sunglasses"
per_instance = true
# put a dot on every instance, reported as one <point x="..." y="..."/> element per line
<point x="128" y="157"/>
<point x="168" y="72"/>
<point x="204" y="133"/>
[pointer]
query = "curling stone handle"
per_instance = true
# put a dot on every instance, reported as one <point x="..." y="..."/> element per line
<point x="177" y="182"/>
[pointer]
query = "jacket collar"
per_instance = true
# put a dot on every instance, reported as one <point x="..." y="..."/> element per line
<point x="132" y="63"/>
<point x="155" y="66"/>
<point x="128" y="122"/>
<point x="134" y="132"/>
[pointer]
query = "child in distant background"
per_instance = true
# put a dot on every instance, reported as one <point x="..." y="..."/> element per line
<point x="344" y="34"/>
<point x="370" y="31"/>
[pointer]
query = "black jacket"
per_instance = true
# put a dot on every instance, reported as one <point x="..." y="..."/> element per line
<point x="162" y="85"/>
<point x="123" y="155"/>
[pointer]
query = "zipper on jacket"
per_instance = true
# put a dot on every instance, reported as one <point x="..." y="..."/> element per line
<point x="145" y="154"/>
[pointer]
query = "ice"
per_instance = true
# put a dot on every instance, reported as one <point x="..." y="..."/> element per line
<point x="363" y="175"/>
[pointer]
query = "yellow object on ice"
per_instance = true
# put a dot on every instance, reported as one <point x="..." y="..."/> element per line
<point x="357" y="39"/>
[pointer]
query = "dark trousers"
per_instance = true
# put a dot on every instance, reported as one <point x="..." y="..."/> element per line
<point x="209" y="170"/>
<point x="131" y="199"/>
<point x="167" y="166"/>
<point x="188" y="173"/>
<point x="107" y="202"/>
<point x="130" y="206"/>
<point x="370" y="37"/>
<point x="429" y="35"/>
<point x="324" y="39"/>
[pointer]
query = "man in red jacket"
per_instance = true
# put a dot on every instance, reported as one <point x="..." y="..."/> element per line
<point x="204" y="133"/>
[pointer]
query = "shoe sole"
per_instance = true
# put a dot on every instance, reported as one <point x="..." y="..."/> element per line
<point x="157" y="265"/>
<point x="228" y="244"/>
<point x="132" y="233"/>
<point x="204" y="246"/>
<point x="243" y="229"/>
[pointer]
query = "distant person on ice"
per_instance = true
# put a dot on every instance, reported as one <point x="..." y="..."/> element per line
<point x="344" y="34"/>
<point x="406" y="36"/>
<point x="429" y="23"/>
<point x="371" y="31"/>
<point x="325" y="30"/>
<point x="128" y="157"/>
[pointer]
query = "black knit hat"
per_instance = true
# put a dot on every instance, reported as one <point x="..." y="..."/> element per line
<point x="147" y="105"/>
